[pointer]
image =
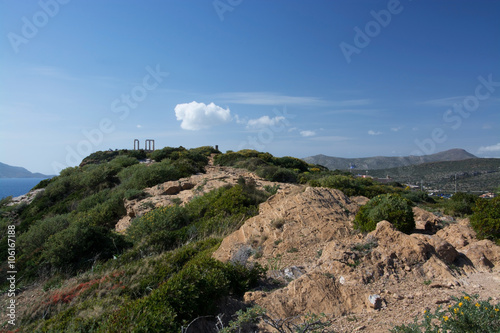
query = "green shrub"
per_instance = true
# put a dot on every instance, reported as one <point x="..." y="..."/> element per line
<point x="466" y="315"/>
<point x="251" y="164"/>
<point x="486" y="219"/>
<point x="169" y="263"/>
<point x="106" y="214"/>
<point x="193" y="291"/>
<point x="134" y="194"/>
<point x="417" y="196"/>
<point x="460" y="204"/>
<point x="266" y="171"/>
<point x="390" y="207"/>
<point x="228" y="159"/>
<point x="205" y="150"/>
<point x="167" y="152"/>
<point x="284" y="176"/>
<point x="79" y="245"/>
<point x="352" y="186"/>
<point x="123" y="161"/>
<point x="42" y="184"/>
<point x="140" y="176"/>
<point x="167" y="218"/>
<point x="34" y="239"/>
<point x="291" y="163"/>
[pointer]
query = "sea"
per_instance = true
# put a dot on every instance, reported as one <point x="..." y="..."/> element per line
<point x="17" y="186"/>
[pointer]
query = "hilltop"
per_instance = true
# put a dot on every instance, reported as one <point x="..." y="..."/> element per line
<point x="8" y="171"/>
<point x="176" y="238"/>
<point x="384" y="162"/>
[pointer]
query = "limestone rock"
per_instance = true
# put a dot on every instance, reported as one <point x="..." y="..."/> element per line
<point x="26" y="198"/>
<point x="396" y="245"/>
<point x="287" y="222"/>
<point x="444" y="250"/>
<point x="425" y="220"/>
<point x="313" y="292"/>
<point x="457" y="235"/>
<point x="483" y="254"/>
<point x="374" y="301"/>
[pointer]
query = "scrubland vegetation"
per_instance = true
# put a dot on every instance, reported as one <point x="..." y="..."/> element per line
<point x="159" y="275"/>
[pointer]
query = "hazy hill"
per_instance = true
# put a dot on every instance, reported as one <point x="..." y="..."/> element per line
<point x="8" y="171"/>
<point x="477" y="174"/>
<point x="385" y="162"/>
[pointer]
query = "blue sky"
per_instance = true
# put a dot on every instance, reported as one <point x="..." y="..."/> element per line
<point x="341" y="78"/>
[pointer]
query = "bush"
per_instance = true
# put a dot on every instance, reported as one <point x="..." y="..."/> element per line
<point x="486" y="219"/>
<point x="167" y="152"/>
<point x="353" y="186"/>
<point x="284" y="176"/>
<point x="228" y="159"/>
<point x="79" y="245"/>
<point x="33" y="240"/>
<point x="390" y="207"/>
<point x="157" y="221"/>
<point x="466" y="315"/>
<point x="291" y="163"/>
<point x="460" y="204"/>
<point x="123" y="161"/>
<point x="193" y="291"/>
<point x="140" y="176"/>
<point x="417" y="196"/>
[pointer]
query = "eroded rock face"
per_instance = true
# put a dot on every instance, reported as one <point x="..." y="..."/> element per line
<point x="394" y="244"/>
<point x="458" y="235"/>
<point x="311" y="229"/>
<point x="315" y="292"/>
<point x="483" y="254"/>
<point x="425" y="220"/>
<point x="305" y="237"/>
<point x="293" y="224"/>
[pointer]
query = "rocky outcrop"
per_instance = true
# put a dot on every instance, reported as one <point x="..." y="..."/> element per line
<point x="306" y="240"/>
<point x="185" y="189"/>
<point x="26" y="198"/>
<point x="293" y="224"/>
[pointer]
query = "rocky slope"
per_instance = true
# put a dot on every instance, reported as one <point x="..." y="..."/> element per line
<point x="319" y="264"/>
<point x="306" y="238"/>
<point x="185" y="189"/>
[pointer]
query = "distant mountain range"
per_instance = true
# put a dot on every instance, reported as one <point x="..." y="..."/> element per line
<point x="8" y="171"/>
<point x="469" y="175"/>
<point x="385" y="162"/>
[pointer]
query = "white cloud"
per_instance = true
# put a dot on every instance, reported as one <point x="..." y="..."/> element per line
<point x="264" y="121"/>
<point x="489" y="149"/>
<point x="397" y="129"/>
<point x="307" y="133"/>
<point x="139" y="126"/>
<point x="372" y="132"/>
<point x="196" y="116"/>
